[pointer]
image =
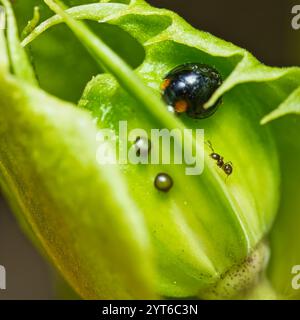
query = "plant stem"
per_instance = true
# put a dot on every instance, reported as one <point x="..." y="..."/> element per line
<point x="32" y="23"/>
<point x="19" y="60"/>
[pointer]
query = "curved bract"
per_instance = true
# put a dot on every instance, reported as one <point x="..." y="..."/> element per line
<point x="199" y="231"/>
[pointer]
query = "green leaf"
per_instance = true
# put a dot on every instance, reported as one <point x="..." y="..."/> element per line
<point x="285" y="233"/>
<point x="47" y="159"/>
<point x="41" y="134"/>
<point x="289" y="106"/>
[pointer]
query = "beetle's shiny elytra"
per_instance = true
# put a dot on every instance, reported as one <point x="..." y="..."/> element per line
<point x="188" y="87"/>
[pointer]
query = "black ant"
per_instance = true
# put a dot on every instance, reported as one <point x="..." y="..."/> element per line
<point x="226" y="167"/>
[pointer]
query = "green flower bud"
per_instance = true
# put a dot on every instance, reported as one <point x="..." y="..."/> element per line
<point x="205" y="225"/>
<point x="108" y="229"/>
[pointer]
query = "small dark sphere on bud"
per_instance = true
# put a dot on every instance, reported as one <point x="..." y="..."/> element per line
<point x="163" y="182"/>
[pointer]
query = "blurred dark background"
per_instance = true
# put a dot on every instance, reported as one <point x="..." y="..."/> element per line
<point x="261" y="26"/>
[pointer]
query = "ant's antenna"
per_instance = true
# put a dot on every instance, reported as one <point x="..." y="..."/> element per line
<point x="210" y="145"/>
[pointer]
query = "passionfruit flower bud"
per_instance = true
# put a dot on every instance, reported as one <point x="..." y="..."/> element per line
<point x="198" y="235"/>
<point x="206" y="225"/>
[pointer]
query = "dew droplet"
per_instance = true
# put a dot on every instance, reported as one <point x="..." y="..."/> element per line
<point x="163" y="182"/>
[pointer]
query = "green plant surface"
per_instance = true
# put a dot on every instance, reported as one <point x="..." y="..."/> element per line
<point x="52" y="140"/>
<point x="107" y="229"/>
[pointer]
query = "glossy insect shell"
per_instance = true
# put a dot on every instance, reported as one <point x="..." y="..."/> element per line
<point x="194" y="84"/>
<point x="215" y="156"/>
<point x="228" y="169"/>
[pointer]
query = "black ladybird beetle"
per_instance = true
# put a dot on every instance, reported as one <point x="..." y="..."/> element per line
<point x="188" y="87"/>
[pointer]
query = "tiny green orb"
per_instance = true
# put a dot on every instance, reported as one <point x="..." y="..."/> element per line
<point x="163" y="182"/>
